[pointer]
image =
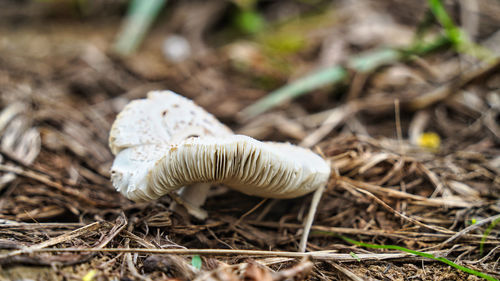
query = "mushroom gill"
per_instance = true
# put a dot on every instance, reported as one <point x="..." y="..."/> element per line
<point x="265" y="169"/>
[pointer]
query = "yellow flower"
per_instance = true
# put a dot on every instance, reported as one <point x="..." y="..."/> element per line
<point x="90" y="275"/>
<point x="429" y="140"/>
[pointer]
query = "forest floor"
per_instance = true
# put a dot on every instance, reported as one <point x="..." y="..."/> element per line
<point x="413" y="144"/>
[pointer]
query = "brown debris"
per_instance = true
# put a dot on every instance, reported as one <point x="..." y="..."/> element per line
<point x="60" y="90"/>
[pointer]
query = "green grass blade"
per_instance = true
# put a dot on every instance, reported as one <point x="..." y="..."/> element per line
<point x="297" y="88"/>
<point x="336" y="74"/>
<point x="452" y="31"/>
<point x="486" y="233"/>
<point x="425" y="255"/>
<point x="457" y="36"/>
<point x="355" y="256"/>
<point x="371" y="61"/>
<point x="140" y="16"/>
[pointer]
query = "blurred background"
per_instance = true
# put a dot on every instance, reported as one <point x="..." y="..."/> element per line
<point x="223" y="54"/>
<point x="401" y="94"/>
<point x="89" y="58"/>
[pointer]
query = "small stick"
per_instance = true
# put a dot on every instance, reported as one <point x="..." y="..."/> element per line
<point x="320" y="255"/>
<point x="310" y="218"/>
<point x="251" y="210"/>
<point x="465" y="231"/>
<point x="421" y="200"/>
<point x="47" y="181"/>
<point x="397" y="113"/>
<point x="396" y="234"/>
<point x="412" y="220"/>
<point x="346" y="272"/>
<point x="56" y="240"/>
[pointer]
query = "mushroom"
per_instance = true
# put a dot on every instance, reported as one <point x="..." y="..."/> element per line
<point x="265" y="169"/>
<point x="145" y="130"/>
<point x="166" y="142"/>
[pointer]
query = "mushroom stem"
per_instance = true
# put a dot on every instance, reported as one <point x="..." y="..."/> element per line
<point x="310" y="218"/>
<point x="193" y="209"/>
<point x="194" y="197"/>
<point x="195" y="194"/>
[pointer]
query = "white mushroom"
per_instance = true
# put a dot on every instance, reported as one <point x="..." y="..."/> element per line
<point x="166" y="142"/>
<point x="163" y="118"/>
<point x="142" y="133"/>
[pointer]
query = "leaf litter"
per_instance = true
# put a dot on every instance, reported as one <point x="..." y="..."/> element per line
<point x="57" y="107"/>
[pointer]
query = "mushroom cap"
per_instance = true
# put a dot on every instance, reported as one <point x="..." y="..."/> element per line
<point x="155" y="154"/>
<point x="146" y="128"/>
<point x="164" y="117"/>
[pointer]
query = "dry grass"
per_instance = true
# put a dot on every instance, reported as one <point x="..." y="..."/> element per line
<point x="60" y="211"/>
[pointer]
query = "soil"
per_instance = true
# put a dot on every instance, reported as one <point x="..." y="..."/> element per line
<point x="413" y="144"/>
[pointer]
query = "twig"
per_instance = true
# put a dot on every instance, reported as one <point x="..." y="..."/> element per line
<point x="56" y="240"/>
<point x="129" y="261"/>
<point x="45" y="180"/>
<point x="251" y="210"/>
<point x="384" y="191"/>
<point x="414" y="221"/>
<point x="139" y="240"/>
<point x="420" y="236"/>
<point x="301" y="269"/>
<point x="486" y="257"/>
<point x="439" y="187"/>
<point x="337" y="116"/>
<point x="40" y="225"/>
<point x="117" y="228"/>
<point x="349" y="274"/>
<point x="465" y="231"/>
<point x="310" y="218"/>
<point x="44" y="172"/>
<point x="397" y="113"/>
<point x="320" y="255"/>
<point x="450" y="89"/>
